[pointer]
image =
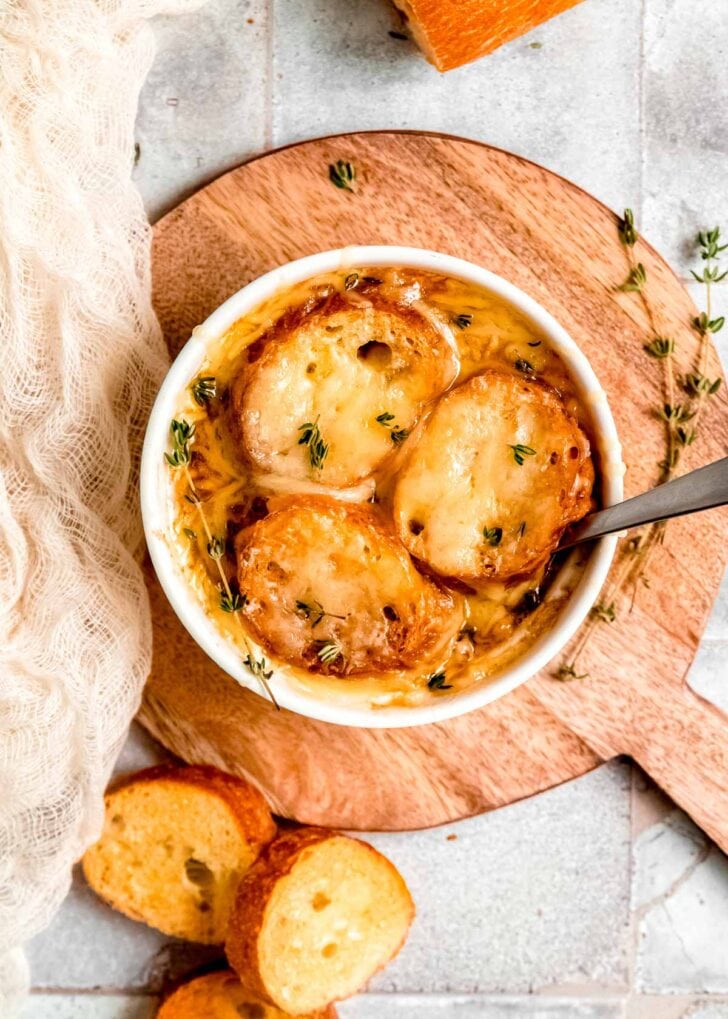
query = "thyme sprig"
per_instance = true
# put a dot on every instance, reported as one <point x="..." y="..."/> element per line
<point x="182" y="435"/>
<point x="493" y="535"/>
<point x="463" y="321"/>
<point x="204" y="389"/>
<point x="318" y="450"/>
<point x="329" y="651"/>
<point x="436" y="681"/>
<point x="342" y="175"/>
<point x="230" y="601"/>
<point x="520" y="452"/>
<point x="397" y="435"/>
<point x="314" y="612"/>
<point x="636" y="280"/>
<point x="681" y="417"/>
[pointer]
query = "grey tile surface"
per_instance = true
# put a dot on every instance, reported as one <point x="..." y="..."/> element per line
<point x="681" y="893"/>
<point x="460" y="1007"/>
<point x="89" y="1006"/>
<point x="571" y="104"/>
<point x="685" y="81"/>
<point x="708" y="675"/>
<point x="496" y="907"/>
<point x="204" y="105"/>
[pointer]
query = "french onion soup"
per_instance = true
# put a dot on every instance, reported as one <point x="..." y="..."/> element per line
<point x="371" y="476"/>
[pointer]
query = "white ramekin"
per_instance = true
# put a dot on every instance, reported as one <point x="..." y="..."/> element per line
<point x="157" y="506"/>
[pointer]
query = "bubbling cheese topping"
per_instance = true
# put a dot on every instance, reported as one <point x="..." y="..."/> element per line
<point x="498" y="473"/>
<point x="361" y="374"/>
<point x="438" y="403"/>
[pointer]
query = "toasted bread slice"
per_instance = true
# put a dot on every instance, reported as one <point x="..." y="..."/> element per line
<point x="175" y="843"/>
<point x="454" y="32"/>
<point x="315" y="917"/>
<point x="339" y="368"/>
<point x="221" y="996"/>
<point x="501" y="468"/>
<point x="318" y="572"/>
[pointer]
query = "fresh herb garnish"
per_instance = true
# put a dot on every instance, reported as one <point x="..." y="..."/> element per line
<point x="627" y="229"/>
<point x="317" y="449"/>
<point x="351" y="281"/>
<point x="192" y="535"/>
<point x="493" y="535"/>
<point x="182" y="433"/>
<point x="607" y="613"/>
<point x="463" y="321"/>
<point x="635" y="280"/>
<point x="329" y="651"/>
<point x="314" y="612"/>
<point x="522" y="365"/>
<point x="258" y="668"/>
<point x="204" y="389"/>
<point x="519" y="452"/>
<point x="568" y="672"/>
<point x="397" y="435"/>
<point x="660" y="347"/>
<point x="342" y="175"/>
<point x="535" y="343"/>
<point x="232" y="601"/>
<point x="436" y="681"/>
<point x="522" y="529"/>
<point x="216" y="548"/>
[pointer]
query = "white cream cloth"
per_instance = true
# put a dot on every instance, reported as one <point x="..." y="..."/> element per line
<point x="81" y="356"/>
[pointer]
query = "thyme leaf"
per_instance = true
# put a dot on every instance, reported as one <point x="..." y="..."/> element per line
<point x="519" y="452"/>
<point x="204" y="389"/>
<point x="493" y="535"/>
<point x="317" y="449"/>
<point x="436" y="681"/>
<point x="329" y="651"/>
<point x="182" y="434"/>
<point x="342" y="174"/>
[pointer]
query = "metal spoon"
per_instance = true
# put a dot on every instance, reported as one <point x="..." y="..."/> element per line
<point x="699" y="490"/>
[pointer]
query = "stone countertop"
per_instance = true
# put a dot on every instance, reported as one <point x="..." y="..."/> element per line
<point x="598" y="899"/>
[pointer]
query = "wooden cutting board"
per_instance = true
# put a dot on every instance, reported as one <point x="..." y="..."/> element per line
<point x="561" y="246"/>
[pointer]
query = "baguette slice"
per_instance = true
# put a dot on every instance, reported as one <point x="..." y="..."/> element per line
<point x="175" y="843"/>
<point x="455" y="32"/>
<point x="221" y="996"/>
<point x="314" y="918"/>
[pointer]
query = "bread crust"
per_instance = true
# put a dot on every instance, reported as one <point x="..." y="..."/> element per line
<point x="245" y="805"/>
<point x="219" y="996"/>
<point x="254" y="893"/>
<point x="465" y="476"/>
<point x="311" y="550"/>
<point x="338" y="365"/>
<point x="455" y="32"/>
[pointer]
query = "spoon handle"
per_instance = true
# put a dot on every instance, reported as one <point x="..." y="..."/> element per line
<point x="699" y="490"/>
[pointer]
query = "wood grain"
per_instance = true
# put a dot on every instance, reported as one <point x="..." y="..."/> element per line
<point x="561" y="246"/>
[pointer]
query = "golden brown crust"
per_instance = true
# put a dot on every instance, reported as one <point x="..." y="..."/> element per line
<point x="251" y="901"/>
<point x="254" y="893"/>
<point x="492" y="480"/>
<point x="221" y="996"/>
<point x="151" y="835"/>
<point x="340" y="365"/>
<point x="343" y="560"/>
<point x="247" y="804"/>
<point x="455" y="32"/>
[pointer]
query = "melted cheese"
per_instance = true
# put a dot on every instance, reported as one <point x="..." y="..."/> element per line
<point x="361" y="374"/>
<point x="502" y="616"/>
<point x="499" y="471"/>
